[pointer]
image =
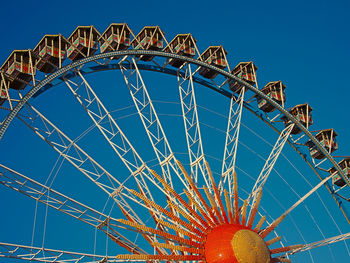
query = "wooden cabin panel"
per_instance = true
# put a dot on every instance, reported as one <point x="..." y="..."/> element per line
<point x="113" y="41"/>
<point x="275" y="90"/>
<point x="345" y="164"/>
<point x="19" y="71"/>
<point x="215" y="57"/>
<point x="50" y="51"/>
<point x="220" y="62"/>
<point x="329" y="144"/>
<point x="83" y="43"/>
<point x="250" y="77"/>
<point x="3" y="96"/>
<point x="338" y="180"/>
<point x="234" y="86"/>
<point x="119" y="39"/>
<point x="149" y="38"/>
<point x="265" y="106"/>
<point x="184" y="49"/>
<point x="207" y="73"/>
<point x="20" y="82"/>
<point x="72" y="53"/>
<point x="287" y="122"/>
<point x="327" y="139"/>
<point x="346" y="170"/>
<point x="302" y="117"/>
<point x="324" y="137"/>
<point x="50" y="59"/>
<point x="148" y="42"/>
<point x="316" y="153"/>
<point x="206" y="55"/>
<point x="183" y="45"/>
<point x="277" y="95"/>
<point x="17" y="68"/>
<point x="216" y="61"/>
<point x="245" y="70"/>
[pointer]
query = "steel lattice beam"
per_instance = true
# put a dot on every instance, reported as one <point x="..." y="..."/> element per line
<point x="151" y="122"/>
<point x="65" y="204"/>
<point x="75" y="155"/>
<point x="191" y="123"/>
<point x="114" y="135"/>
<point x="269" y="164"/>
<point x="321" y="243"/>
<point x="231" y="142"/>
<point x="64" y="70"/>
<point x="31" y="253"/>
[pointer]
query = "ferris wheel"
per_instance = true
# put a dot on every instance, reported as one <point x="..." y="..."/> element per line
<point x="165" y="151"/>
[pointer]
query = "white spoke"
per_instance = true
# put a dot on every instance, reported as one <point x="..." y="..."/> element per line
<point x="150" y="120"/>
<point x="69" y="150"/>
<point x="307" y="195"/>
<point x="321" y="243"/>
<point x="65" y="204"/>
<point x="30" y="253"/>
<point x="269" y="164"/>
<point x="191" y="123"/>
<point x="301" y="200"/>
<point x="111" y="131"/>
<point x="231" y="143"/>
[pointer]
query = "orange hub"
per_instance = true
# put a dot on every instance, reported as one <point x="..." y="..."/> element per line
<point x="234" y="243"/>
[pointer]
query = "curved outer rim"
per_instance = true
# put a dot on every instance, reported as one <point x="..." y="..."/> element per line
<point x="224" y="73"/>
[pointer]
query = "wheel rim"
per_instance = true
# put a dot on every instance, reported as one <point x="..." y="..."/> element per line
<point x="130" y="53"/>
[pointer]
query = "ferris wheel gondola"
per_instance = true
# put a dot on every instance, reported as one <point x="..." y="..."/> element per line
<point x="213" y="223"/>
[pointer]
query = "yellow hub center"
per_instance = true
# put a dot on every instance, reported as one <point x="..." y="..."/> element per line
<point x="249" y="247"/>
<point x="234" y="243"/>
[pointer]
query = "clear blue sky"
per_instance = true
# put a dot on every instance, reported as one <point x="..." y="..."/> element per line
<point x="303" y="43"/>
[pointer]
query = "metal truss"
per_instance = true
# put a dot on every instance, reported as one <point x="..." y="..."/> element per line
<point x="321" y="243"/>
<point x="12" y="96"/>
<point x="150" y="120"/>
<point x="269" y="164"/>
<point x="191" y="123"/>
<point x="48" y="132"/>
<point x="75" y="155"/>
<point x="114" y="135"/>
<point x="65" y="204"/>
<point x="109" y="128"/>
<point x="61" y="71"/>
<point x="31" y="253"/>
<point x="231" y="142"/>
<point x="302" y="199"/>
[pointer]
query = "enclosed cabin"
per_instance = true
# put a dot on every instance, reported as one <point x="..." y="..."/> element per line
<point x="214" y="56"/>
<point x="327" y="139"/>
<point x="84" y="42"/>
<point x="50" y="52"/>
<point x="149" y="38"/>
<point x="345" y="166"/>
<point x="302" y="113"/>
<point x="19" y="69"/>
<point x="245" y="71"/>
<point x="275" y="91"/>
<point x="116" y="37"/>
<point x="3" y="92"/>
<point x="184" y="45"/>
